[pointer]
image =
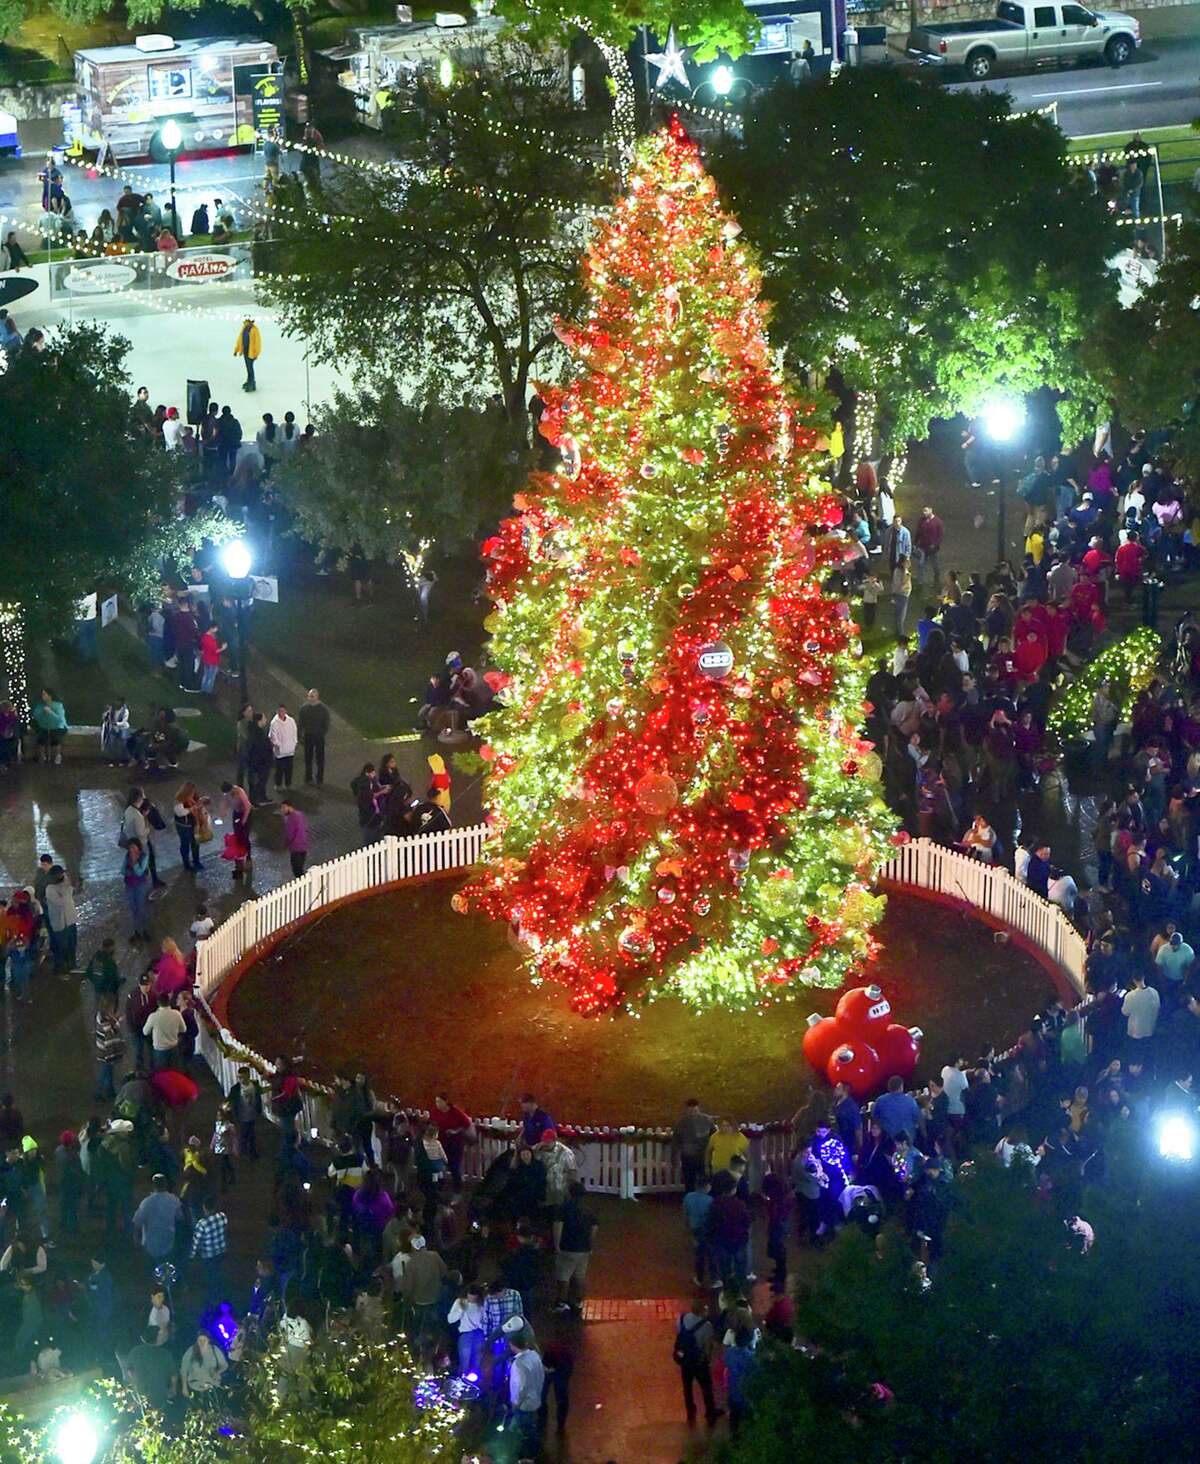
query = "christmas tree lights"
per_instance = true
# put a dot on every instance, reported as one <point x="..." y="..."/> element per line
<point x="680" y="798"/>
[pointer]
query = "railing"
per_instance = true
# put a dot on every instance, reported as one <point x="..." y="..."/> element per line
<point x="629" y="1161"/>
<point x="378" y="864"/>
<point x="121" y="273"/>
<point x="990" y="889"/>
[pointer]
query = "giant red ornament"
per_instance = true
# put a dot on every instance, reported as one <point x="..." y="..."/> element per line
<point x="899" y="1050"/>
<point x="822" y="1038"/>
<point x="856" y="1064"/>
<point x="865" y="1010"/>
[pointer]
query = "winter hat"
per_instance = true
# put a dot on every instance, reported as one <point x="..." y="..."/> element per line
<point x="28" y="1145"/>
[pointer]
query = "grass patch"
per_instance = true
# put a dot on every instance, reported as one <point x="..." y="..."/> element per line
<point x="121" y="669"/>
<point x="1178" y="148"/>
<point x="371" y="661"/>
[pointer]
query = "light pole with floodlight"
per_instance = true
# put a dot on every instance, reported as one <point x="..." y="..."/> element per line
<point x="170" y="139"/>
<point x="237" y="562"/>
<point x="1002" y="421"/>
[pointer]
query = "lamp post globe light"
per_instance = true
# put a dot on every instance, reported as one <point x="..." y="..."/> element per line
<point x="1003" y="419"/>
<point x="76" y="1440"/>
<point x="237" y="561"/>
<point x="170" y="139"/>
<point x="721" y="80"/>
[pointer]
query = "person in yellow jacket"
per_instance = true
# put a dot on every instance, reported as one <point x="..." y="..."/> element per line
<point x="249" y="347"/>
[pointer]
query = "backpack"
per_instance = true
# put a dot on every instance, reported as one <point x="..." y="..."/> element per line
<point x="687" y="1349"/>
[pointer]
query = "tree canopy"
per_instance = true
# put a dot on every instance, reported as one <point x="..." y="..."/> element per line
<point x="445" y="272"/>
<point x="1149" y="353"/>
<point x="390" y="476"/>
<point x="710" y="25"/>
<point x="928" y="244"/>
<point x="1022" y="1347"/>
<point x="89" y="503"/>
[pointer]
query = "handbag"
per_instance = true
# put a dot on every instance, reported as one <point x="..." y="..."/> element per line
<point x="153" y="817"/>
<point x="204" y="828"/>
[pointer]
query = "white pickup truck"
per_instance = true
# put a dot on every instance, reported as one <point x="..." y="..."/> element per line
<point x="1027" y="35"/>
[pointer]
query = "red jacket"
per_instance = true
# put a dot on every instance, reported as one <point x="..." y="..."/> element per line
<point x="1029" y="658"/>
<point x="1130" y="558"/>
<point x="928" y="534"/>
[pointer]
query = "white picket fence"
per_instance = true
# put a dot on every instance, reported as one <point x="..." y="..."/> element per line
<point x="628" y="1161"/>
<point x="924" y="865"/>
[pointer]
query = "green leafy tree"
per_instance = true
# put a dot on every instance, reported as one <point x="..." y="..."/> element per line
<point x="1021" y="1348"/>
<point x="398" y="479"/>
<point x="929" y="245"/>
<point x="89" y="503"/>
<point x="445" y="274"/>
<point x="1149" y="353"/>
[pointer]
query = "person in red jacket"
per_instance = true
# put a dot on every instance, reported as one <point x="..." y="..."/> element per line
<point x="454" y="1128"/>
<point x="1130" y="560"/>
<point x="928" y="538"/>
<point x="1030" y="655"/>
<point x="1096" y="560"/>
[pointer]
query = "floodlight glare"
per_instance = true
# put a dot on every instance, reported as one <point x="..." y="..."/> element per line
<point x="235" y="556"/>
<point x="76" y="1440"/>
<point x="1002" y="420"/>
<point x="1177" y="1138"/>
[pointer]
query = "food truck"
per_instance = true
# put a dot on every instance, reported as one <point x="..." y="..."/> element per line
<point x="380" y="65"/>
<point x="219" y="89"/>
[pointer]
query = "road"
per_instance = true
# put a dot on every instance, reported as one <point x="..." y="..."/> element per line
<point x="1159" y="88"/>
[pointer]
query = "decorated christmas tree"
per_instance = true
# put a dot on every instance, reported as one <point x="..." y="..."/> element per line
<point x="680" y="799"/>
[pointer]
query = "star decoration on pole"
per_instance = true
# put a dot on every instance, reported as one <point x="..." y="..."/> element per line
<point x="671" y="63"/>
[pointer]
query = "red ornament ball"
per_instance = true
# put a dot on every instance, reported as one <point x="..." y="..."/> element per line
<point x="856" y="1064"/>
<point x="865" y="1011"/>
<point x="820" y="1041"/>
<point x="899" y="1050"/>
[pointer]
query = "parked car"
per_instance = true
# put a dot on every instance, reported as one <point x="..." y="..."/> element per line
<point x="1027" y="36"/>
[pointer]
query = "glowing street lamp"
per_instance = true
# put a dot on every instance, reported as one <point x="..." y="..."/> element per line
<point x="238" y="561"/>
<point x="76" y="1440"/>
<point x="721" y="80"/>
<point x="446" y="71"/>
<point x="170" y="139"/>
<point x="1002" y="418"/>
<point x="1177" y="1138"/>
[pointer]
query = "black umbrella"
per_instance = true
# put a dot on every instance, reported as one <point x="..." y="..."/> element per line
<point x="14" y="287"/>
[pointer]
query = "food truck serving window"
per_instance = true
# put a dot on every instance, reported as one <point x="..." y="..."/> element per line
<point x="168" y="82"/>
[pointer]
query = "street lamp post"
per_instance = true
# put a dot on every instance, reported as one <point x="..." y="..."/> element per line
<point x="1002" y="421"/>
<point x="170" y="138"/>
<point x="237" y="561"/>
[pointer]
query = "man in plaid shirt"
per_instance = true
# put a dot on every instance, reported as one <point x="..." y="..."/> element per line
<point x="502" y="1302"/>
<point x="209" y="1242"/>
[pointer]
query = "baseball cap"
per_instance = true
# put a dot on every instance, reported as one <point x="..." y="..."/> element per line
<point x="549" y="1136"/>
<point x="513" y="1325"/>
<point x="1176" y="938"/>
<point x="28" y="1144"/>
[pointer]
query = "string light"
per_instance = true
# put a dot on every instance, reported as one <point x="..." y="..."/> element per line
<point x="12" y="655"/>
<point x="680" y="798"/>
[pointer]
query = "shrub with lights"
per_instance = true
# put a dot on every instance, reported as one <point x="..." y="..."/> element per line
<point x="680" y="798"/>
<point x="1127" y="666"/>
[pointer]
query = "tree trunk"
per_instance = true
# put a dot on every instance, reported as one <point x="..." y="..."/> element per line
<point x="623" y="126"/>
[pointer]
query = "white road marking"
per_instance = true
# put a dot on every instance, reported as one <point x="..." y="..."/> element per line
<point x="1091" y="91"/>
